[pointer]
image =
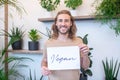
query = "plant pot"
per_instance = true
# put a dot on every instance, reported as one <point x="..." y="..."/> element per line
<point x="33" y="45"/>
<point x="73" y="12"/>
<point x="17" y="45"/>
<point x="83" y="77"/>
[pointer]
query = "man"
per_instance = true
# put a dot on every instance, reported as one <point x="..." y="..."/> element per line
<point x="64" y="34"/>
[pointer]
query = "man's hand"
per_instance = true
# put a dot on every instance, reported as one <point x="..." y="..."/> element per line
<point x="45" y="71"/>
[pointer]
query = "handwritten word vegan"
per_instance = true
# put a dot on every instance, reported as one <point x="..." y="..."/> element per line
<point x="60" y="59"/>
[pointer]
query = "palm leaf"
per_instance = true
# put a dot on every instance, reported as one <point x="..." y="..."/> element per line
<point x="111" y="70"/>
<point x="116" y="69"/>
<point x="41" y="77"/>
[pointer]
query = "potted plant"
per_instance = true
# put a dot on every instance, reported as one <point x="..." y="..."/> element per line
<point x="34" y="36"/>
<point x="85" y="73"/>
<point x="13" y="68"/>
<point x="111" y="69"/>
<point x="49" y="5"/>
<point x="73" y="3"/>
<point x="16" y="34"/>
<point x="106" y="11"/>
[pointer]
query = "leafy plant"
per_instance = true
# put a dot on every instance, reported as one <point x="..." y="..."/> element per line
<point x="111" y="69"/>
<point x="73" y="3"/>
<point x="106" y="11"/>
<point x="15" y="33"/>
<point x="49" y="5"/>
<point x="13" y="69"/>
<point x="33" y="35"/>
<point x="88" y="71"/>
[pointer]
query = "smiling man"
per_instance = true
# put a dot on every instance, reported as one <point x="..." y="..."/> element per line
<point x="64" y="34"/>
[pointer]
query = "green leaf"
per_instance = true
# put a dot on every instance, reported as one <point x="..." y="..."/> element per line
<point x="111" y="70"/>
<point x="41" y="77"/>
<point x="89" y="72"/>
<point x="85" y="40"/>
<point x="73" y="3"/>
<point x="33" y="35"/>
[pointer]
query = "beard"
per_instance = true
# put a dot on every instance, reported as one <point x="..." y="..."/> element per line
<point x="63" y="30"/>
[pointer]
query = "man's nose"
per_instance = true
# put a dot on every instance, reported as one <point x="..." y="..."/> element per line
<point x="63" y="23"/>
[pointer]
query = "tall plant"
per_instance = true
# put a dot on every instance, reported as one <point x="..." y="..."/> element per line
<point x="16" y="63"/>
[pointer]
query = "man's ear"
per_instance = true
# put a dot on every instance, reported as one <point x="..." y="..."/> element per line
<point x="56" y="24"/>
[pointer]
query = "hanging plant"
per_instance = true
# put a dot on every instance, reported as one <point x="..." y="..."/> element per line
<point x="108" y="10"/>
<point x="49" y="5"/>
<point x="73" y="3"/>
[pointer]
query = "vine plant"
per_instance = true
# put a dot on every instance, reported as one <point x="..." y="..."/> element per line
<point x="106" y="11"/>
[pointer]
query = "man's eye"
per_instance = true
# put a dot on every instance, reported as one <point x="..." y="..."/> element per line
<point x="66" y="20"/>
<point x="60" y="20"/>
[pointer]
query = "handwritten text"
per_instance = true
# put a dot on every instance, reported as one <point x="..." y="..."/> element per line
<point x="60" y="59"/>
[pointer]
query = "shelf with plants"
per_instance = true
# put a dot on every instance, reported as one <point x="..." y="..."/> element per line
<point x="16" y="35"/>
<point x="88" y="17"/>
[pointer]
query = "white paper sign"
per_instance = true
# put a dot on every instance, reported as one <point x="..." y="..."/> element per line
<point x="62" y="58"/>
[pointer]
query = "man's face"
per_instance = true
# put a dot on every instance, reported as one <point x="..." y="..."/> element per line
<point x="63" y="23"/>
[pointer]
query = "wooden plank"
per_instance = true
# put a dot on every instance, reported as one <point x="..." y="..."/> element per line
<point x="88" y="17"/>
<point x="26" y="51"/>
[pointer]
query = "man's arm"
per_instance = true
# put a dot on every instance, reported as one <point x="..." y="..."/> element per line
<point x="85" y="62"/>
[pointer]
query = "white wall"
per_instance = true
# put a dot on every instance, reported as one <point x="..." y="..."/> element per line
<point x="100" y="37"/>
<point x="104" y="42"/>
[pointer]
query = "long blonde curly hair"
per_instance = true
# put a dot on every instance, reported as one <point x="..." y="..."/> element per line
<point x="73" y="29"/>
